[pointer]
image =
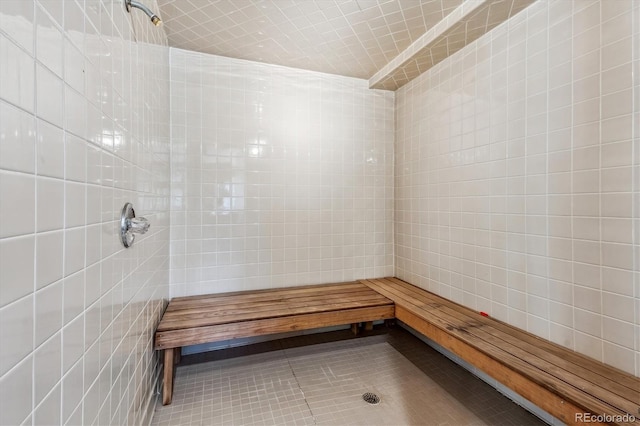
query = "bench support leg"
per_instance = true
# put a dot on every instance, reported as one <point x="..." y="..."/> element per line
<point x="167" y="387"/>
<point x="177" y="355"/>
<point x="368" y="326"/>
<point x="354" y="328"/>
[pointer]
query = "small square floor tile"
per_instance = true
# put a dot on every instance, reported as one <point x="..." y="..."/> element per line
<point x="324" y="383"/>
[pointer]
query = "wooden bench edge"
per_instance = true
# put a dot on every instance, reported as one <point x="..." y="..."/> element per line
<point x="198" y="335"/>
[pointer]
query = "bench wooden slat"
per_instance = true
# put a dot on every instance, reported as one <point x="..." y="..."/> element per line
<point x="213" y="333"/>
<point x="466" y="321"/>
<point x="296" y="288"/>
<point x="412" y="304"/>
<point x="546" y="349"/>
<point x="212" y="318"/>
<point x="270" y="309"/>
<point x="275" y="303"/>
<point x="265" y="294"/>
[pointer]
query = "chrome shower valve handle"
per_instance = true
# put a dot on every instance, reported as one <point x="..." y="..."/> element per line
<point x="139" y="225"/>
<point x="129" y="225"/>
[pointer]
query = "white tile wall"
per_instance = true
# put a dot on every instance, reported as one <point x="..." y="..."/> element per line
<point x="84" y="113"/>
<point x="280" y="177"/>
<point x="517" y="176"/>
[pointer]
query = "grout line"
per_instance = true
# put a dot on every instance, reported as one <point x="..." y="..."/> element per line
<point x="284" y="351"/>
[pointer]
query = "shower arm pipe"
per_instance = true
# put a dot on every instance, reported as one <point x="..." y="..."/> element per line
<point x="133" y="3"/>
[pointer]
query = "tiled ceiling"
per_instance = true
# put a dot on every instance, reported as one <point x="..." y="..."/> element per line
<point x="348" y="37"/>
<point x="461" y="27"/>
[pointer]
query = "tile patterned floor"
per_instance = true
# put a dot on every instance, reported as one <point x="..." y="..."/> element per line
<point x="300" y="381"/>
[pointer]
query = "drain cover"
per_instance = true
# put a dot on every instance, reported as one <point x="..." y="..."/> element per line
<point x="371" y="398"/>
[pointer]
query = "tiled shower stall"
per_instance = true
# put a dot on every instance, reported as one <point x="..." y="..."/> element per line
<point x="506" y="178"/>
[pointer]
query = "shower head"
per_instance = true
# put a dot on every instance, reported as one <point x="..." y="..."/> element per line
<point x="154" y="18"/>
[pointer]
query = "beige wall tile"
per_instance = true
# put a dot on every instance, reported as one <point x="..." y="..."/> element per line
<point x="562" y="200"/>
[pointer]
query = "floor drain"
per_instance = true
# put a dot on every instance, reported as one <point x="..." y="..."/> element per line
<point x="371" y="398"/>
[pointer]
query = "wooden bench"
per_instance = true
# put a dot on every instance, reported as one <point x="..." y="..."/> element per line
<point x="216" y="317"/>
<point x="566" y="384"/>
